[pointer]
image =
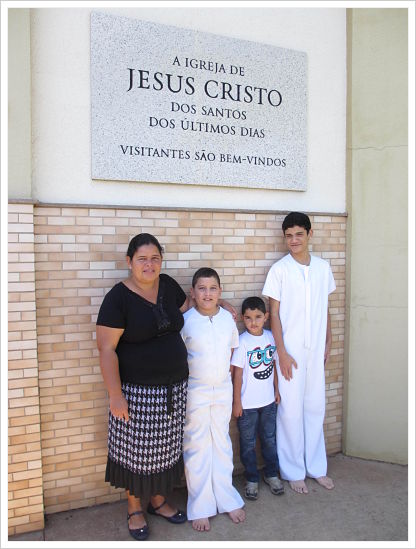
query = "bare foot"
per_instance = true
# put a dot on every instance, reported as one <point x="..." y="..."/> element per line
<point x="298" y="486"/>
<point x="201" y="524"/>
<point x="326" y="482"/>
<point x="238" y="515"/>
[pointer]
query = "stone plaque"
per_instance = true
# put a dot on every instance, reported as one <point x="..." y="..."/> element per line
<point x="179" y="106"/>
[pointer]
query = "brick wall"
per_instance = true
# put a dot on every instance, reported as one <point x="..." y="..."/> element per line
<point x="24" y="445"/>
<point x="80" y="255"/>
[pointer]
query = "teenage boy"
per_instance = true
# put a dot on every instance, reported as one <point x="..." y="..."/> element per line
<point x="298" y="287"/>
<point x="209" y="334"/>
<point x="256" y="396"/>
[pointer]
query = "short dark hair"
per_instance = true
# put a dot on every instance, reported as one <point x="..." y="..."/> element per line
<point x="298" y="219"/>
<point x="205" y="272"/>
<point x="142" y="239"/>
<point x="253" y="303"/>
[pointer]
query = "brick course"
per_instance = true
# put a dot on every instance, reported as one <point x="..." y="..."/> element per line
<point x="77" y="254"/>
<point x="24" y="443"/>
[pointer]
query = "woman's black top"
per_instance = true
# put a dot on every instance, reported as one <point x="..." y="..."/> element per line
<point x="151" y="350"/>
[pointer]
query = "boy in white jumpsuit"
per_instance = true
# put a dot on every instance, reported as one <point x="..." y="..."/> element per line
<point x="298" y="286"/>
<point x="209" y="334"/>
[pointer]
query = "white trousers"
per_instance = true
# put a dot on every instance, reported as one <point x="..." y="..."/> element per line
<point x="300" y="418"/>
<point x="208" y="453"/>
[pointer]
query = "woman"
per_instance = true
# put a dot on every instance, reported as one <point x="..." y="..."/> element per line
<point x="144" y="365"/>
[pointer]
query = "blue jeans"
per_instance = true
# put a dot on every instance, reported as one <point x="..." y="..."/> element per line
<point x="262" y="422"/>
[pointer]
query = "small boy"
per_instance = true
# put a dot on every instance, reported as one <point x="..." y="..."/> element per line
<point x="298" y="286"/>
<point x="209" y="334"/>
<point x="256" y="396"/>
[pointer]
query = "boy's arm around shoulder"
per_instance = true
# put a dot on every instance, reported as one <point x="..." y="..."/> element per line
<point x="228" y="307"/>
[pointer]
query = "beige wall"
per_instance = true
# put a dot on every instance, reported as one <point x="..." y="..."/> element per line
<point x="375" y="420"/>
<point x="19" y="104"/>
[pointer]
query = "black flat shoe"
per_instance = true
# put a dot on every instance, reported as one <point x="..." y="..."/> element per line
<point x="138" y="533"/>
<point x="178" y="518"/>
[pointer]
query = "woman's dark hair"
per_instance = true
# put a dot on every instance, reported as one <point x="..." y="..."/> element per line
<point x="142" y="239"/>
<point x="205" y="272"/>
<point x="253" y="303"/>
<point x="296" y="219"/>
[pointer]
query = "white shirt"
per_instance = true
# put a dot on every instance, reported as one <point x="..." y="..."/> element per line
<point x="209" y="341"/>
<point x="256" y="355"/>
<point x="302" y="291"/>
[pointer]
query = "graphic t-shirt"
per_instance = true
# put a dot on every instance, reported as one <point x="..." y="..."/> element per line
<point x="257" y="356"/>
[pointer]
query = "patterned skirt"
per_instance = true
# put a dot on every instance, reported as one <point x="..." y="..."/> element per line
<point x="145" y="453"/>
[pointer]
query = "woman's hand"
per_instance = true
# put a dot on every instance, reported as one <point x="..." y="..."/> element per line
<point x="188" y="304"/>
<point x="119" y="407"/>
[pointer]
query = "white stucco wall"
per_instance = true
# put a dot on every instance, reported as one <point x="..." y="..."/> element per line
<point x="19" y="104"/>
<point x="376" y="340"/>
<point x="61" y="150"/>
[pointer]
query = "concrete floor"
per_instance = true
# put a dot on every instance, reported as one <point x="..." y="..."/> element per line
<point x="369" y="503"/>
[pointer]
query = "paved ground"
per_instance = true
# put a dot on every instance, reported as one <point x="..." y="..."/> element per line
<point x="369" y="503"/>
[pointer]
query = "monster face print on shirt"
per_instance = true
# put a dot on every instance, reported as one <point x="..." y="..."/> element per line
<point x="256" y="355"/>
<point x="262" y="357"/>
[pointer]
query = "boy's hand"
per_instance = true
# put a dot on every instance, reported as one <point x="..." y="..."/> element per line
<point x="237" y="409"/>
<point x="286" y="362"/>
<point x="327" y="350"/>
<point x="277" y="397"/>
